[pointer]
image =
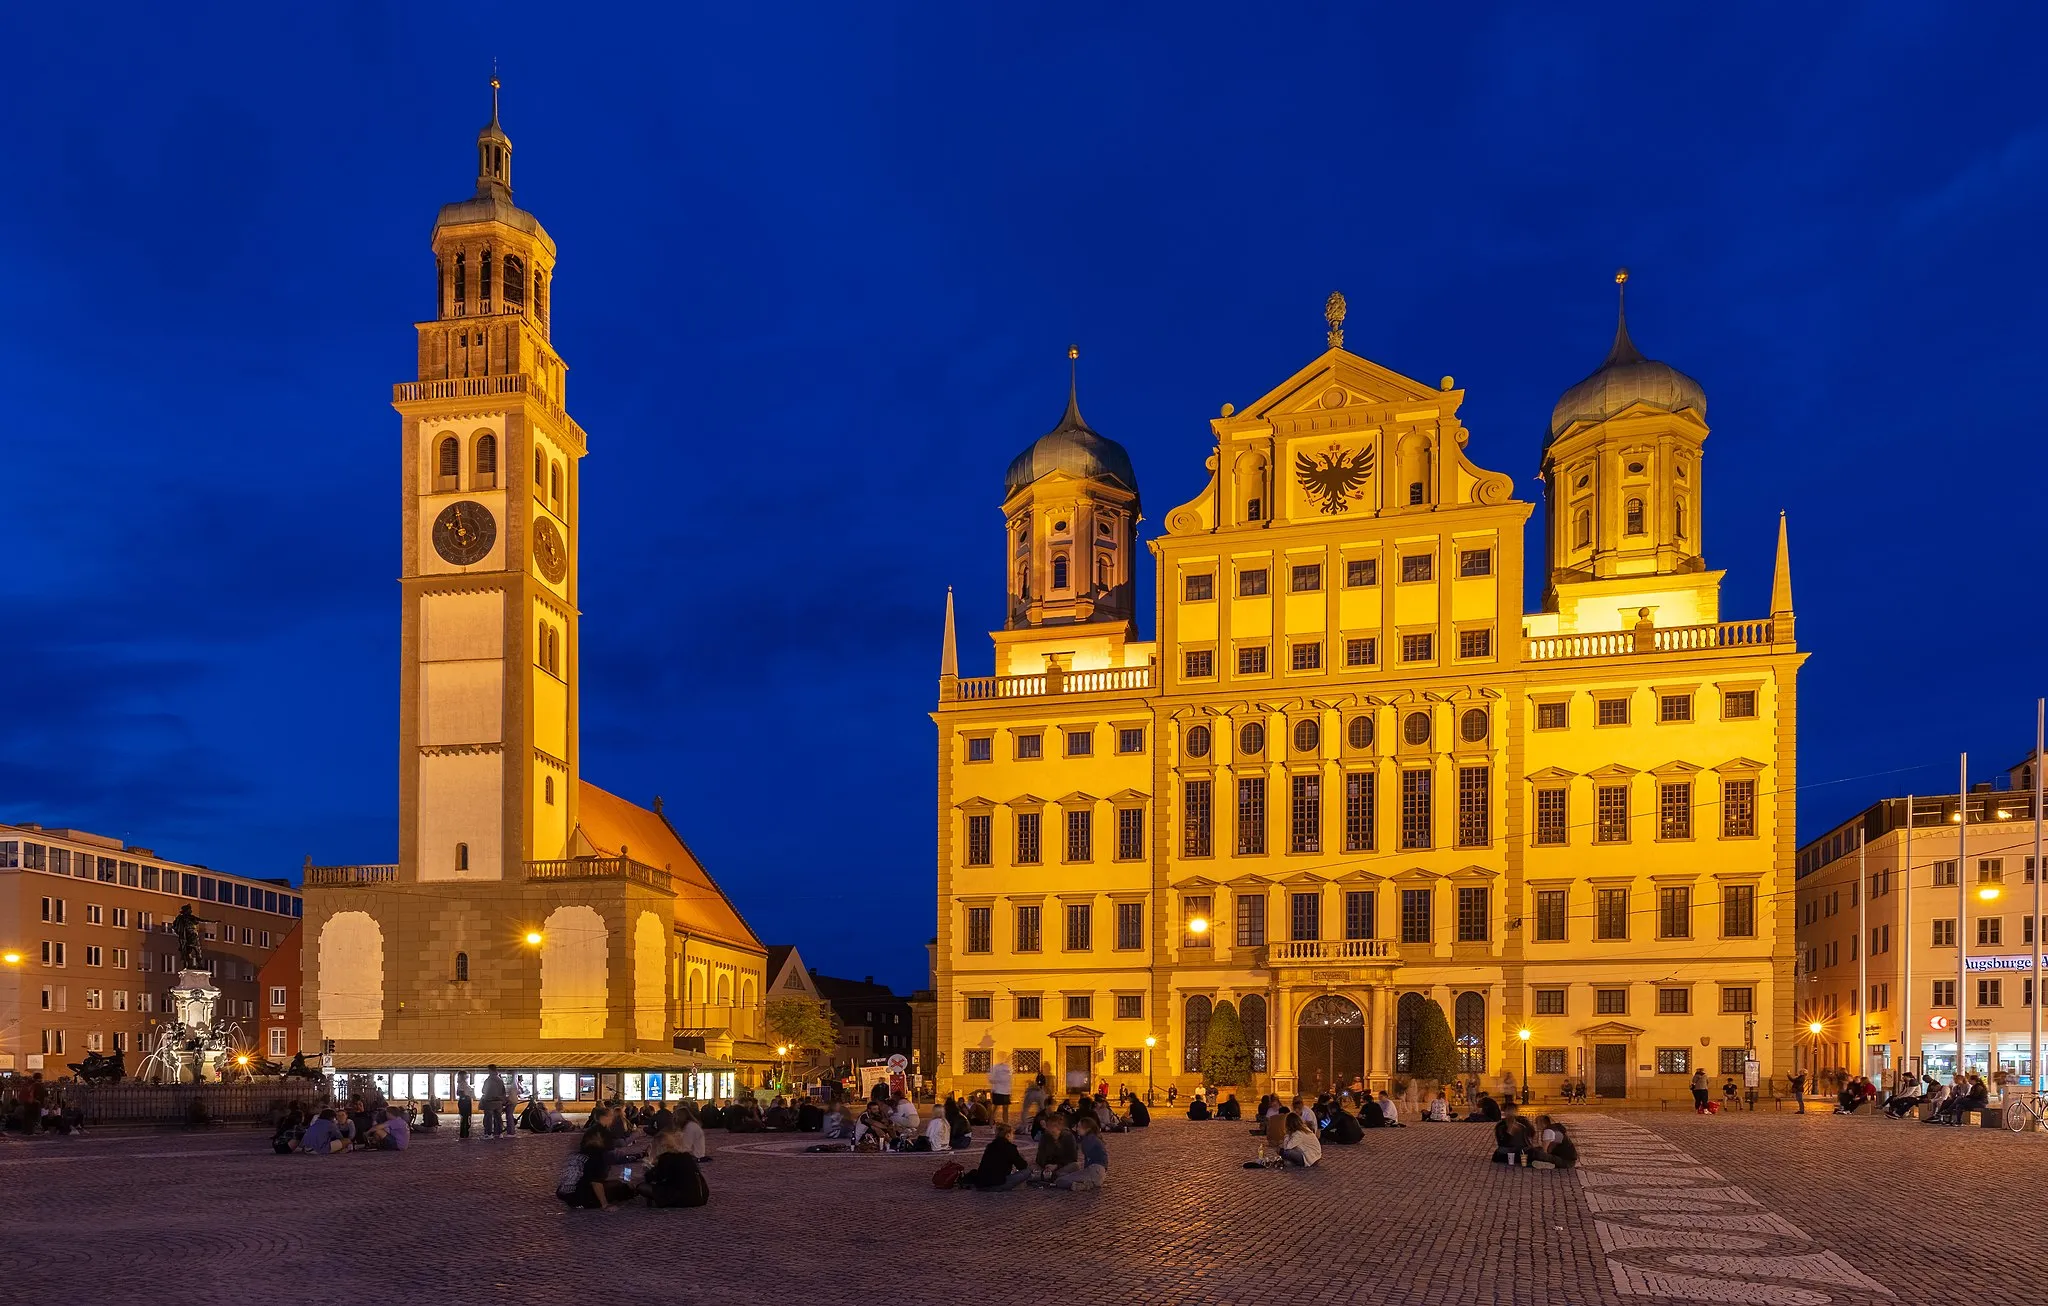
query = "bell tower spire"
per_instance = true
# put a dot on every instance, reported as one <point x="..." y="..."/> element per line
<point x="493" y="153"/>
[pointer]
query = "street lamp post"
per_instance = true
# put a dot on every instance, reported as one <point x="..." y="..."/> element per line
<point x="1528" y="1094"/>
<point x="1151" y="1051"/>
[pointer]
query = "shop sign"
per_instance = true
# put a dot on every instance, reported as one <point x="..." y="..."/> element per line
<point x="1999" y="963"/>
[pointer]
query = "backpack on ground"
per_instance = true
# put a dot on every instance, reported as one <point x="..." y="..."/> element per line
<point x="947" y="1175"/>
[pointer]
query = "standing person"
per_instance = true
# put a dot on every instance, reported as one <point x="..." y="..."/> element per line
<point x="999" y="1085"/>
<point x="1034" y="1098"/>
<point x="464" y="1102"/>
<point x="1799" y="1089"/>
<point x="1699" y="1090"/>
<point x="496" y="1112"/>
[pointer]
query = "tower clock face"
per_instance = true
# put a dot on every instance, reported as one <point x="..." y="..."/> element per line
<point x="464" y="532"/>
<point x="550" y="552"/>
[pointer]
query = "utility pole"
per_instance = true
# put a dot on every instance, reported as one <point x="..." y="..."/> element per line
<point x="1862" y="1004"/>
<point x="1962" y="907"/>
<point x="2040" y="873"/>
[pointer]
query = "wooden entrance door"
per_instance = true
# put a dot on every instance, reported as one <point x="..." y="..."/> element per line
<point x="1329" y="1044"/>
<point x="1080" y="1061"/>
<point x="1610" y="1070"/>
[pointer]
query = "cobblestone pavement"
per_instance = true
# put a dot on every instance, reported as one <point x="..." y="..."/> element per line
<point x="1778" y="1209"/>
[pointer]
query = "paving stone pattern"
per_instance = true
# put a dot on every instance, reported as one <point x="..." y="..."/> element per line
<point x="1415" y="1215"/>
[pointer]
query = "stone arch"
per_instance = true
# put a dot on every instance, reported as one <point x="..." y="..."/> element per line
<point x="351" y="976"/>
<point x="696" y="984"/>
<point x="1469" y="1027"/>
<point x="724" y="990"/>
<point x="1251" y="1011"/>
<point x="574" y="953"/>
<point x="1406" y="1012"/>
<point x="1197" y="1033"/>
<point x="650" y="977"/>
<point x="1330" y="1043"/>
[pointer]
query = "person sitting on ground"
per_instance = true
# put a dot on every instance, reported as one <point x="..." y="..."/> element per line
<point x="1488" y="1109"/>
<point x="391" y="1132"/>
<point x="584" y="1182"/>
<point x="1136" y="1114"/>
<point x="359" y="1121"/>
<point x="1344" y="1129"/>
<point x="1002" y="1165"/>
<point x="937" y="1136"/>
<point x="1369" y="1114"/>
<point x="1511" y="1136"/>
<point x="1105" y="1115"/>
<point x="810" y="1117"/>
<point x="1275" y="1129"/>
<point x="673" y="1178"/>
<point x="778" y="1117"/>
<point x="1439" y="1108"/>
<point x="712" y="1116"/>
<point x="1231" y="1109"/>
<point x="1388" y="1110"/>
<point x="1094" y="1158"/>
<point x="1058" y="1154"/>
<point x="285" y="1138"/>
<point x="691" y="1131"/>
<point x="323" y="1137"/>
<point x="558" y="1121"/>
<point x="744" y="1117"/>
<point x="1198" y="1108"/>
<point x="1553" y="1145"/>
<point x="1298" y="1142"/>
<point x="533" y="1118"/>
<point x="430" y="1115"/>
<point x="959" y="1129"/>
<point x="903" y="1116"/>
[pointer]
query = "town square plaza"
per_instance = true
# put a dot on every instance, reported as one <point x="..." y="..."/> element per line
<point x="1666" y="1206"/>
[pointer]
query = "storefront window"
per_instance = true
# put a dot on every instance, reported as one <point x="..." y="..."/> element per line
<point x="523" y="1085"/>
<point x="632" y="1086"/>
<point x="444" y="1085"/>
<point x="586" y="1088"/>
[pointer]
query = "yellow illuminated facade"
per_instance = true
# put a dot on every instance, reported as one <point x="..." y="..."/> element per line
<point x="1352" y="774"/>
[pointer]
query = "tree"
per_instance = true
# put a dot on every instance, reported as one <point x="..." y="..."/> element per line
<point x="1226" y="1056"/>
<point x="1432" y="1052"/>
<point x="803" y="1024"/>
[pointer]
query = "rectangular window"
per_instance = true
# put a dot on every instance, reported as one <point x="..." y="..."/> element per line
<point x="92" y="955"/>
<point x="1474" y="914"/>
<point x="1550" y="1002"/>
<point x="1550" y="816"/>
<point x="1195" y="907"/>
<point x="1129" y="1006"/>
<point x="94" y="915"/>
<point x="1945" y="874"/>
<point x="1305" y="814"/>
<point x="1944" y="993"/>
<point x="1674" y="707"/>
<point x="1475" y="806"/>
<point x="1358" y="811"/>
<point x="1080" y="927"/>
<point x="1028" y="838"/>
<point x="278" y="997"/>
<point x="1674" y="911"/>
<point x="1738" y="705"/>
<point x="92" y="999"/>
<point x="1732" y="1060"/>
<point x="1417" y="648"/>
<point x="1418" y="566"/>
<point x="1251" y="816"/>
<point x="1416" y="926"/>
<point x="1080" y="1006"/>
<point x="1195" y="818"/>
<point x="1360" y="916"/>
<point x="1305" y="917"/>
<point x="1612" y="712"/>
<point x="1130" y="925"/>
<point x="976" y="1060"/>
<point x="1611" y="824"/>
<point x="1080" y="743"/>
<point x="1475" y="562"/>
<point x="1251" y="660"/>
<point x="1130" y="833"/>
<point x="1553" y="716"/>
<point x="1130" y="739"/>
<point x="1416" y="829"/>
<point x="1030" y="746"/>
<point x="979" y="930"/>
<point x="1030" y="1006"/>
<point x="1674" y="1061"/>
<point x="1990" y="933"/>
<point x="1738" y="809"/>
<point x="1548" y="1061"/>
<point x="1026" y="1061"/>
<point x="1738" y="911"/>
<point x="1550" y="915"/>
<point x="1674" y="810"/>
<point x="1251" y="582"/>
<point x="1738" y="999"/>
<point x="1990" y="993"/>
<point x="1475" y="643"/>
<point x="1361" y="571"/>
<point x="1674" y="1002"/>
<point x="1308" y="577"/>
<point x="1305" y="657"/>
<point x="1081" y="836"/>
<point x="1200" y="663"/>
<point x="980" y="1008"/>
<point x="1610" y="1002"/>
<point x="1030" y="927"/>
<point x="979" y="850"/>
<point x="1363" y="652"/>
<point x="1251" y="920"/>
<point x="1199" y="589"/>
<point x="1130" y="1061"/>
<point x="1610" y="913"/>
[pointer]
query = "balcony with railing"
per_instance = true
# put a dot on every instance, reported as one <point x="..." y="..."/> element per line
<point x="1102" y="680"/>
<point x="1645" y="638"/>
<point x="602" y="868"/>
<point x="349" y="877"/>
<point x="1299" y="951"/>
<point x="483" y="387"/>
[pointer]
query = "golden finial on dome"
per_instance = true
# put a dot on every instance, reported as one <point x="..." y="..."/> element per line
<point x="1621" y="276"/>
<point x="1073" y="351"/>
<point x="1333" y="313"/>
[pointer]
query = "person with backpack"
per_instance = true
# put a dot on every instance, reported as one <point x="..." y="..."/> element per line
<point x="584" y="1180"/>
<point x="673" y="1177"/>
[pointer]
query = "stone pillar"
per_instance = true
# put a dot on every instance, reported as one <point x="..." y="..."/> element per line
<point x="1376" y="1064"/>
<point x="1285" y="1041"/>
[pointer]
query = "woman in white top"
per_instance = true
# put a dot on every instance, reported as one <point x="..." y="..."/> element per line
<point x="939" y="1134"/>
<point x="1387" y="1109"/>
<point x="1301" y="1147"/>
<point x="693" y="1133"/>
<point x="903" y="1117"/>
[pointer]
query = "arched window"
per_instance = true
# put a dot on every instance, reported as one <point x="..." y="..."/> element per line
<point x="1678" y="516"/>
<point x="555" y="649"/>
<point x="540" y="296"/>
<point x="1406" y="1013"/>
<point x="540" y="472"/>
<point x="1251" y="1009"/>
<point x="461" y="281"/>
<point x="1024" y="580"/>
<point x="462" y="857"/>
<point x="486" y="460"/>
<point x="484" y="282"/>
<point x="449" y="475"/>
<point x="725" y="990"/>
<point x="1059" y="572"/>
<point x="462" y="967"/>
<point x="555" y="486"/>
<point x="697" y="986"/>
<point x="1197" y="1032"/>
<point x="1471" y="1033"/>
<point x="1632" y="517"/>
<point x="1103" y="572"/>
<point x="515" y="280"/>
<point x="1582" y="529"/>
<point x="547" y="789"/>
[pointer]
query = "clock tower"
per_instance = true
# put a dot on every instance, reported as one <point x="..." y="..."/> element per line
<point x="488" y="772"/>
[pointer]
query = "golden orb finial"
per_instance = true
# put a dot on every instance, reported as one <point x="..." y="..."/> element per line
<point x="1333" y="313"/>
<point x="1621" y="276"/>
<point x="1073" y="351"/>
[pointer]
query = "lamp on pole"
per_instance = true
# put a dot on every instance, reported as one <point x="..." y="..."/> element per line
<point x="1523" y="1034"/>
<point x="1813" y="1029"/>
<point x="1151" y="1053"/>
<point x="782" y="1050"/>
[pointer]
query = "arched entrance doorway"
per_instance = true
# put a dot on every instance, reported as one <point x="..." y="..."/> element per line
<point x="1331" y="1044"/>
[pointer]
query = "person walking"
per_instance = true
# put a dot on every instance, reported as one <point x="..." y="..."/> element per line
<point x="497" y="1113"/>
<point x="999" y="1085"/>
<point x="1799" y="1089"/>
<point x="1700" y="1090"/>
<point x="465" y="1102"/>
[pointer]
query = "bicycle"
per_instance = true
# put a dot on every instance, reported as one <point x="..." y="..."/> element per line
<point x="2024" y="1111"/>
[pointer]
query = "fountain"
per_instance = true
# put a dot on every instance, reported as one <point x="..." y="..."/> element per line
<point x="194" y="1045"/>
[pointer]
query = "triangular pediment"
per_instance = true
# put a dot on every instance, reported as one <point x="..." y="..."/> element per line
<point x="1740" y="764"/>
<point x="1611" y="1029"/>
<point x="1195" y="882"/>
<point x="1612" y="771"/>
<point x="1551" y="773"/>
<point x="1249" y="882"/>
<point x="976" y="804"/>
<point x="1025" y="800"/>
<point x="1128" y="796"/>
<point x="1475" y="873"/>
<point x="1360" y="877"/>
<point x="1079" y="799"/>
<point x="1306" y="879"/>
<point x="1078" y="1034"/>
<point x="1674" y="770"/>
<point x="1336" y="380"/>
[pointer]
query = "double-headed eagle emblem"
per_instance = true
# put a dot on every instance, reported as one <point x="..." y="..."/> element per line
<point x="1332" y="480"/>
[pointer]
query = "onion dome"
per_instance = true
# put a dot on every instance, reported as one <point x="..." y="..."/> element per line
<point x="1627" y="378"/>
<point x="493" y="199"/>
<point x="1072" y="447"/>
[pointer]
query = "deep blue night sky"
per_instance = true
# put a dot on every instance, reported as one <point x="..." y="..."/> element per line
<point x="818" y="273"/>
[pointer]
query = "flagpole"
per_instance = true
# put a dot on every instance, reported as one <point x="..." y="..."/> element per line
<point x="1962" y="907"/>
<point x="2040" y="873"/>
<point x="1862" y="1003"/>
<point x="1906" y="1031"/>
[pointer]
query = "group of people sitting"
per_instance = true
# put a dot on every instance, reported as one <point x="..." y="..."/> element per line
<point x="891" y="1123"/>
<point x="1071" y="1110"/>
<point x="35" y="1107"/>
<point x="659" y="1160"/>
<point x="1518" y="1140"/>
<point x="357" y="1126"/>
<point x="1946" y="1104"/>
<point x="1071" y="1155"/>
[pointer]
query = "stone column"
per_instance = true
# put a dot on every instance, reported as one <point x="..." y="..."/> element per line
<point x="1375" y="1023"/>
<point x="1285" y="1040"/>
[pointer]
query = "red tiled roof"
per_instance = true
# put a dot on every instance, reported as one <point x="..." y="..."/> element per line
<point x="617" y="828"/>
